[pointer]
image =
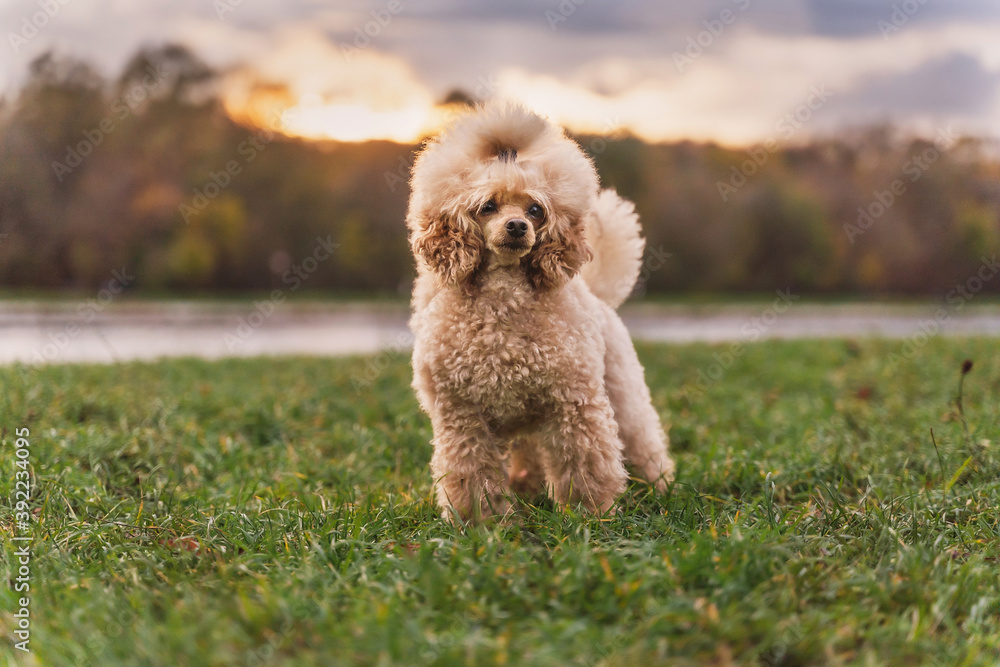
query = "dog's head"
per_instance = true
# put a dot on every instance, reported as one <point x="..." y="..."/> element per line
<point x="502" y="186"/>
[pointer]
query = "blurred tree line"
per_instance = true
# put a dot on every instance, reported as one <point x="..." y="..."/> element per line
<point x="149" y="172"/>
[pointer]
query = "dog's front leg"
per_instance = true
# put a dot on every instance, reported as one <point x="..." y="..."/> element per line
<point x="583" y="462"/>
<point x="468" y="468"/>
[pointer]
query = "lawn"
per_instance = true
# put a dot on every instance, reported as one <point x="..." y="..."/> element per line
<point x="278" y="511"/>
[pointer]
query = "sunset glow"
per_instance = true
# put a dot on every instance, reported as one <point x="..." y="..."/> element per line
<point x="315" y="119"/>
<point x="355" y="122"/>
<point x="380" y="96"/>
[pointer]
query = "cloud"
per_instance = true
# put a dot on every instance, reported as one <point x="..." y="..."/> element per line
<point x="608" y="60"/>
<point x="372" y="96"/>
<point x="857" y="18"/>
<point x="953" y="84"/>
<point x="606" y="16"/>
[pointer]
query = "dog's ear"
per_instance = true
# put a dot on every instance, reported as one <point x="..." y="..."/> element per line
<point x="555" y="260"/>
<point x="449" y="248"/>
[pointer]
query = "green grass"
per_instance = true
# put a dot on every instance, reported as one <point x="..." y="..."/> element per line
<point x="253" y="512"/>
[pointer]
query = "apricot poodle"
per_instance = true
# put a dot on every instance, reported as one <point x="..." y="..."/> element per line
<point x="527" y="373"/>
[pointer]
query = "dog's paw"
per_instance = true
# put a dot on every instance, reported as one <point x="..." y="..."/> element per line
<point x="495" y="509"/>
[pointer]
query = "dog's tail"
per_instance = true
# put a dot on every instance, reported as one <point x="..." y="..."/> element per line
<point x="613" y="232"/>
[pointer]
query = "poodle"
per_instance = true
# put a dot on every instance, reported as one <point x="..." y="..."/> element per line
<point x="527" y="373"/>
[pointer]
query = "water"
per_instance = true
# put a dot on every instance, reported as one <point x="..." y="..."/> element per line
<point x="64" y="332"/>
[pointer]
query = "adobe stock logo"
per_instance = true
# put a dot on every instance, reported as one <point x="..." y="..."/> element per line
<point x="121" y="108"/>
<point x="752" y="330"/>
<point x="293" y="278"/>
<point x="566" y="9"/>
<point x="714" y="28"/>
<point x="786" y="127"/>
<point x="218" y="181"/>
<point x="33" y="24"/>
<point x="901" y="14"/>
<point x="913" y="169"/>
<point x="365" y="34"/>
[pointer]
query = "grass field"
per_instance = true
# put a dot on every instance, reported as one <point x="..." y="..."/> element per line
<point x="278" y="512"/>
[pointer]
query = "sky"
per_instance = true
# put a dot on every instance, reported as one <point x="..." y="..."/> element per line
<point x="735" y="72"/>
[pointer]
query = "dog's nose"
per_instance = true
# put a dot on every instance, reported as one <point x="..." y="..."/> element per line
<point x="517" y="228"/>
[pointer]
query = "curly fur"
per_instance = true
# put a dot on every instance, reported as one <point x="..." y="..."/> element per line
<point x="528" y="375"/>
<point x="614" y="227"/>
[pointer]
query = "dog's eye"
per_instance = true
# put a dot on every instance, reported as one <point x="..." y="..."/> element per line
<point x="536" y="211"/>
<point x="488" y="207"/>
